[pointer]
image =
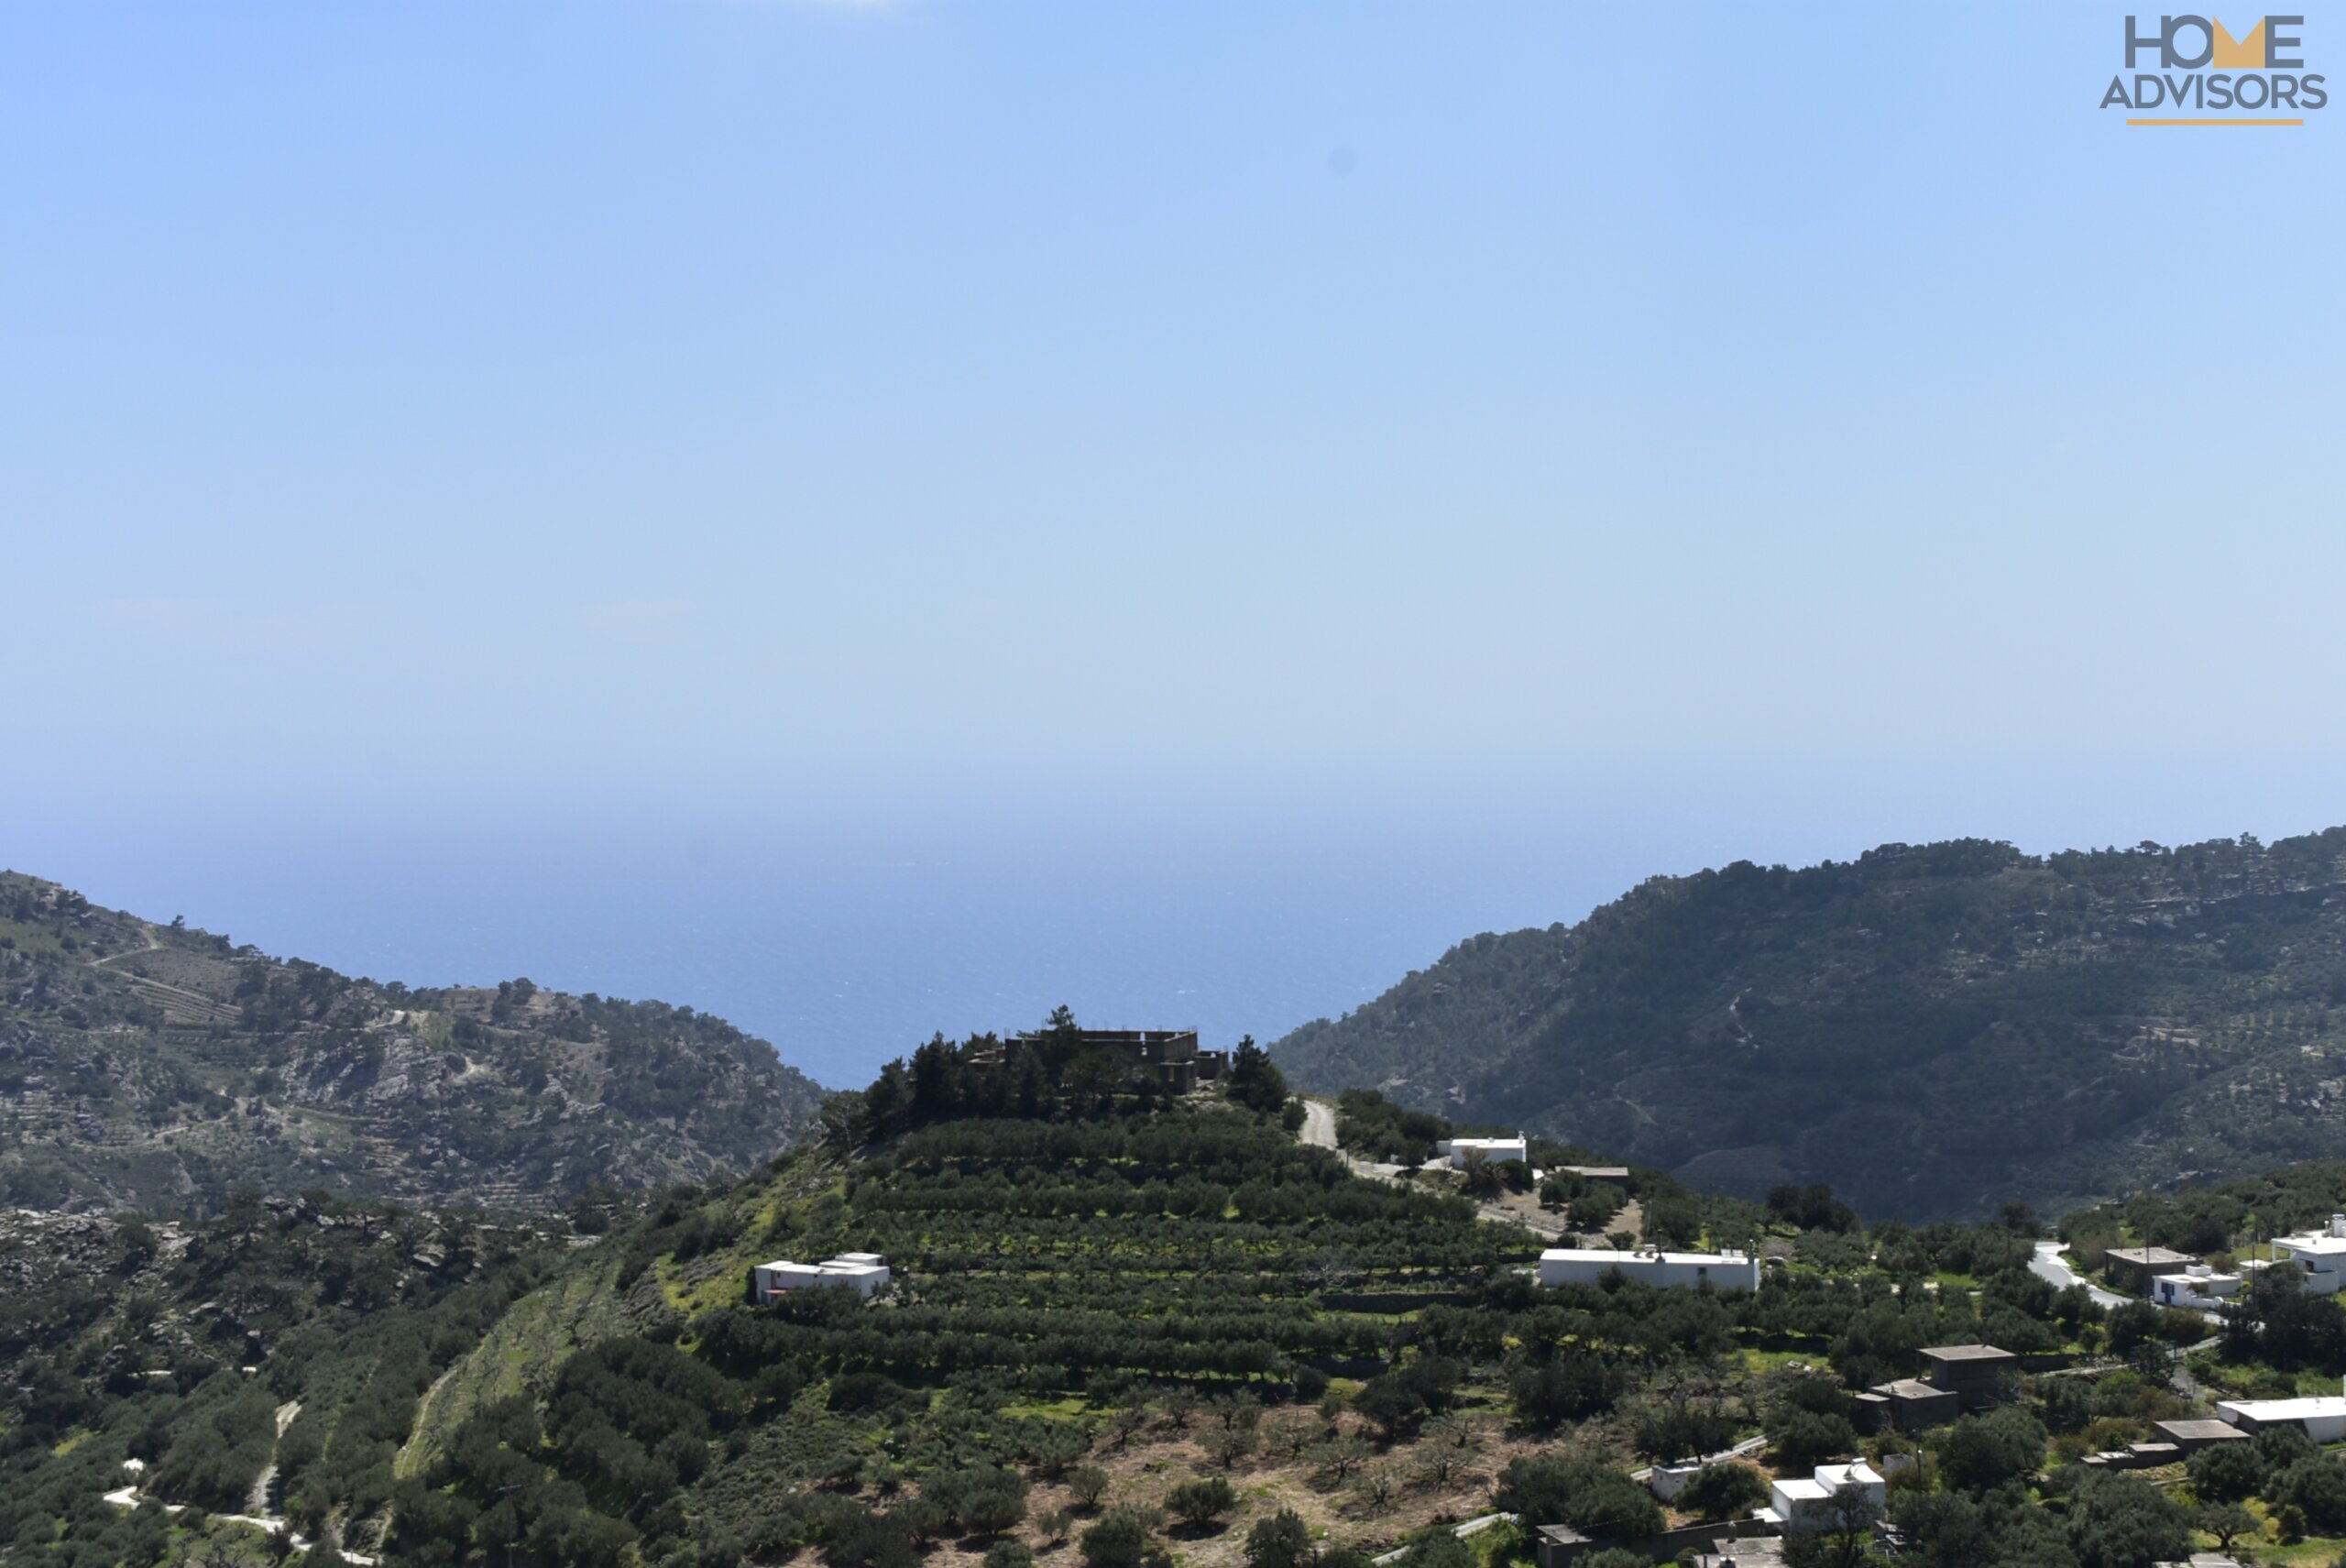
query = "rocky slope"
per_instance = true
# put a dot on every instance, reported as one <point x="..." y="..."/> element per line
<point x="147" y="1066"/>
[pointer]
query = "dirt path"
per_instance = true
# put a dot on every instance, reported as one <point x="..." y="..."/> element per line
<point x="257" y="1500"/>
<point x="153" y="942"/>
<point x="1320" y="1131"/>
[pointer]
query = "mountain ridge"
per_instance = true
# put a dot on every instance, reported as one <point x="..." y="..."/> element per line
<point x="160" y="1067"/>
<point x="1930" y="1029"/>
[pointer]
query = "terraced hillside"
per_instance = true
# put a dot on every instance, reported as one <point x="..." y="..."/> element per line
<point x="1127" y="1330"/>
<point x="159" y="1066"/>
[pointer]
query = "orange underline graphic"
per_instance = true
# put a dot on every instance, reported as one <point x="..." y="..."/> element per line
<point x="2215" y="122"/>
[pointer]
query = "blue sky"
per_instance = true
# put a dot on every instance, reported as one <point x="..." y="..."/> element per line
<point x="1529" y="446"/>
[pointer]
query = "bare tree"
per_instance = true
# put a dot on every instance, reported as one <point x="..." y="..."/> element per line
<point x="1339" y="1457"/>
<point x="1227" y="1445"/>
<point x="1291" y="1434"/>
<point x="1126" y="1423"/>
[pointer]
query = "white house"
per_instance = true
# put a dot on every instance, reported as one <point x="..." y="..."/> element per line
<point x="2320" y="1254"/>
<point x="2322" y="1417"/>
<point x="863" y="1270"/>
<point x="2198" y="1286"/>
<point x="1666" y="1481"/>
<point x="1721" y="1270"/>
<point x="1463" y="1152"/>
<point x="1803" y="1505"/>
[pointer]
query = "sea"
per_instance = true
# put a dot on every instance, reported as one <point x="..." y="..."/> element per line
<point x="843" y="949"/>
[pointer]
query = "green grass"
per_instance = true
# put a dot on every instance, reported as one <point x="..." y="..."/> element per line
<point x="31" y="938"/>
<point x="1066" y="1409"/>
<point x="519" y="1353"/>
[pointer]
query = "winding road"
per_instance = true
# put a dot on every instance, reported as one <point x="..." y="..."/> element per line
<point x="2048" y="1265"/>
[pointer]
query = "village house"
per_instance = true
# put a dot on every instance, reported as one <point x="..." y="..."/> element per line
<point x="2320" y="1256"/>
<point x="1955" y="1378"/>
<point x="1805" y="1504"/>
<point x="1766" y="1551"/>
<point x="2199" y="1288"/>
<point x="1464" y="1152"/>
<point x="2135" y="1267"/>
<point x="1685" y="1270"/>
<point x="2189" y="1436"/>
<point x="862" y="1270"/>
<point x="1977" y="1375"/>
<point x="2321" y="1417"/>
<point x="1906" y="1405"/>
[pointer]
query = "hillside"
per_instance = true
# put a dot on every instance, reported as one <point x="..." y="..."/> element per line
<point x="1125" y="1330"/>
<point x="256" y="1362"/>
<point x="162" y="1068"/>
<point x="1929" y="1029"/>
<point x="1094" y="1255"/>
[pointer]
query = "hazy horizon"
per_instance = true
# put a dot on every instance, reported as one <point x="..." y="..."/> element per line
<point x="880" y="518"/>
<point x="846" y="952"/>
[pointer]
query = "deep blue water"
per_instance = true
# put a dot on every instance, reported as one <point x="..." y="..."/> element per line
<point x="848" y="951"/>
<point x="845" y="945"/>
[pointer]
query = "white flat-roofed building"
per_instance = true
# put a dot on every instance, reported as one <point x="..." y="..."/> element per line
<point x="2198" y="1286"/>
<point x="2322" y="1417"/>
<point x="1720" y="1270"/>
<point x="1797" y="1504"/>
<point x="1463" y="1152"/>
<point x="863" y="1270"/>
<point x="2320" y="1256"/>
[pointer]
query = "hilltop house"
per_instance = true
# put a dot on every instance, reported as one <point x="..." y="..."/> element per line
<point x="1464" y="1152"/>
<point x="1801" y="1505"/>
<point x="1722" y="1270"/>
<point x="1171" y="1054"/>
<point x="862" y="1270"/>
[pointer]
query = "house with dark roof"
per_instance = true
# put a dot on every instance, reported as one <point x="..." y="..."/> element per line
<point x="2135" y="1267"/>
<point x="1977" y="1375"/>
<point x="1906" y="1405"/>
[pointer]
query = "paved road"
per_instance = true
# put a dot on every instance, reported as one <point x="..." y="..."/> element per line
<point x="2048" y="1265"/>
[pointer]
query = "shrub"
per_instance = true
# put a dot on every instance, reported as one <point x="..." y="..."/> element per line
<point x="1723" y="1491"/>
<point x="1199" y="1503"/>
<point x="1123" y="1539"/>
<point x="1283" y="1541"/>
<point x="1809" y="1438"/>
